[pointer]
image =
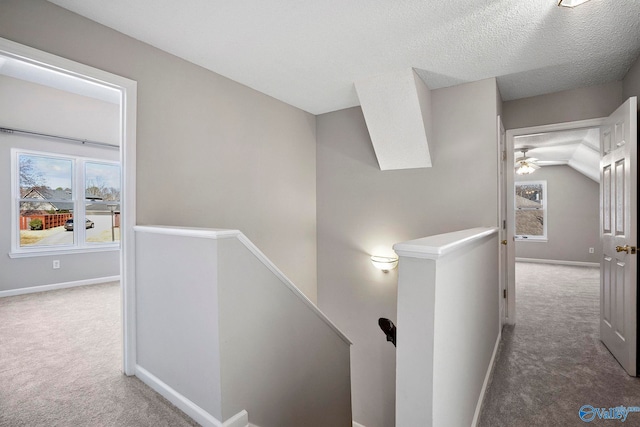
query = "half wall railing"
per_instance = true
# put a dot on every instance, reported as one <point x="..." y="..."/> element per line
<point x="221" y="332"/>
<point x="448" y="327"/>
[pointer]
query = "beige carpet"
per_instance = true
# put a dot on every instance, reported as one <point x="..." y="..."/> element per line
<point x="60" y="364"/>
<point x="552" y="362"/>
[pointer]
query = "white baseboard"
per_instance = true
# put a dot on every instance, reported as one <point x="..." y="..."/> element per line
<point x="205" y="419"/>
<point x="187" y="406"/>
<point x="241" y="419"/>
<point x="43" y="288"/>
<point x="487" y="377"/>
<point x="559" y="262"/>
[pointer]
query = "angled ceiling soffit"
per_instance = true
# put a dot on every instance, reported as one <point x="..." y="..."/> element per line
<point x="397" y="110"/>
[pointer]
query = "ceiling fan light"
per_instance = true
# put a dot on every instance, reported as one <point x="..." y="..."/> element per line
<point x="571" y="3"/>
<point x="525" y="169"/>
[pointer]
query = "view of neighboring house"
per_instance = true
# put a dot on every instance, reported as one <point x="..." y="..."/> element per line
<point x="51" y="207"/>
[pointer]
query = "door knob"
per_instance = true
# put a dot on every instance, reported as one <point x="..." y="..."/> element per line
<point x="626" y="248"/>
<point x="504" y="242"/>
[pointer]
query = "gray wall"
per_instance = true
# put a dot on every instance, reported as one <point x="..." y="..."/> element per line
<point x="566" y="106"/>
<point x="210" y="152"/>
<point x="280" y="361"/>
<point x="572" y="217"/>
<point x="25" y="105"/>
<point x="362" y="210"/>
<point x="631" y="82"/>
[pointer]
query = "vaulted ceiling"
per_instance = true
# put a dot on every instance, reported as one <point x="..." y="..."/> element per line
<point x="310" y="53"/>
<point x="579" y="149"/>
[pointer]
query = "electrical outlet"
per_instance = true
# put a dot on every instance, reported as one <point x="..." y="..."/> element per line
<point x="56" y="263"/>
<point x="591" y="250"/>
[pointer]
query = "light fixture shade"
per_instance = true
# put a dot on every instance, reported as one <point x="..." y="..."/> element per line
<point x="571" y="3"/>
<point x="525" y="169"/>
<point x="384" y="263"/>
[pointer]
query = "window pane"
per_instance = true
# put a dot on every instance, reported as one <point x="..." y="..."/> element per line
<point x="47" y="183"/>
<point x="47" y="178"/>
<point x="529" y="196"/>
<point x="103" y="222"/>
<point x="102" y="181"/>
<point x="529" y="223"/>
<point x="530" y="208"/>
<point x="102" y="192"/>
<point x="38" y="227"/>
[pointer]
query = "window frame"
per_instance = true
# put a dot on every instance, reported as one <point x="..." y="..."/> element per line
<point x="544" y="208"/>
<point x="79" y="245"/>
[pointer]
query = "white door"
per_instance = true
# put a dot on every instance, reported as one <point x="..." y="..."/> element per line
<point x="618" y="233"/>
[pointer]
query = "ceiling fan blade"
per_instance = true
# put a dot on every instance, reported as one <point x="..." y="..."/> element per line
<point x="526" y="159"/>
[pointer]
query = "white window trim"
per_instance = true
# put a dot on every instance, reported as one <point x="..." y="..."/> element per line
<point x="80" y="245"/>
<point x="545" y="213"/>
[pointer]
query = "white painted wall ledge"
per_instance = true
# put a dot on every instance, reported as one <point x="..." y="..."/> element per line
<point x="218" y="233"/>
<point x="204" y="233"/>
<point x="434" y="247"/>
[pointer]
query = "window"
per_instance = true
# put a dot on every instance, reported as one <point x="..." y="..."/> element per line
<point x="50" y="213"/>
<point x="531" y="210"/>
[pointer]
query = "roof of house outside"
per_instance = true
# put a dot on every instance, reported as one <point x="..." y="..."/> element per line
<point x="56" y="198"/>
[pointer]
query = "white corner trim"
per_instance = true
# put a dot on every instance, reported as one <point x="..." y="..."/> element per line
<point x="355" y="424"/>
<point x="559" y="262"/>
<point x="205" y="233"/>
<point x="293" y="288"/>
<point x="44" y="288"/>
<point x="241" y="419"/>
<point x="485" y="384"/>
<point x="187" y="406"/>
<point x="434" y="247"/>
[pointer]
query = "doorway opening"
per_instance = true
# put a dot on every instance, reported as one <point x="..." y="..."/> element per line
<point x="555" y="210"/>
<point x="73" y="175"/>
<point x="617" y="220"/>
<point x="556" y="188"/>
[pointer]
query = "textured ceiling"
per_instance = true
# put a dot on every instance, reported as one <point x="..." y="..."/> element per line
<point x="309" y="53"/>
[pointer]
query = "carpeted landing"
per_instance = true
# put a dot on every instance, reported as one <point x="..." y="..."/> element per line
<point x="553" y="362"/>
<point x="60" y="364"/>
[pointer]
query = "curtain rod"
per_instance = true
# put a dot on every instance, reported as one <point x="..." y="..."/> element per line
<point x="65" y="138"/>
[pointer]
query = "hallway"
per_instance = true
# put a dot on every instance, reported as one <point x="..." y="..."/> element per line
<point x="553" y="362"/>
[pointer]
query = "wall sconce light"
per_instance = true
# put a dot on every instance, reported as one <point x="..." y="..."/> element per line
<point x="384" y="263"/>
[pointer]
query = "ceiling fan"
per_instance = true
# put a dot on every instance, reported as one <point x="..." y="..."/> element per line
<point x="525" y="165"/>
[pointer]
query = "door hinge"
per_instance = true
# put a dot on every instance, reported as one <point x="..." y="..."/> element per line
<point x="504" y="224"/>
<point x="504" y="156"/>
<point x="504" y="293"/>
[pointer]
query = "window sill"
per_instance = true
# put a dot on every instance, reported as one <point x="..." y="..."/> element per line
<point x="49" y="252"/>
<point x="532" y="239"/>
